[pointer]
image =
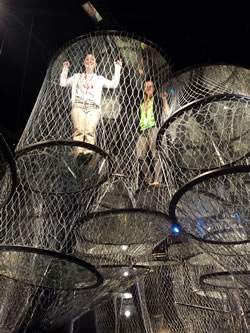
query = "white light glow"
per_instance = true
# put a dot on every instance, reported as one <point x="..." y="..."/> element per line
<point x="126" y="295"/>
<point x="125" y="273"/>
<point x="127" y="313"/>
<point x="124" y="247"/>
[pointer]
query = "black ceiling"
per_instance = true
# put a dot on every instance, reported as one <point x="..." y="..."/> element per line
<point x="189" y="32"/>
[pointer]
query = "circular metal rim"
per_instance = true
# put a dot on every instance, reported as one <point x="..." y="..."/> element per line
<point x="48" y="143"/>
<point x="223" y="274"/>
<point x="197" y="180"/>
<point x="84" y="219"/>
<point x="73" y="143"/>
<point x="199" y="102"/>
<point x="58" y="255"/>
<point x="100" y="33"/>
<point x="201" y="66"/>
<point x="139" y="266"/>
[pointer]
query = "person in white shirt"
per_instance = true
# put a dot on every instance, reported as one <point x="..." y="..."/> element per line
<point x="86" y="96"/>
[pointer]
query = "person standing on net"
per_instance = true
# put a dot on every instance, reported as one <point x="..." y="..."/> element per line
<point x="153" y="111"/>
<point x="86" y="93"/>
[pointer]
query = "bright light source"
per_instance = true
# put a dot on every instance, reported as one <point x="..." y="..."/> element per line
<point x="127" y="313"/>
<point x="124" y="247"/>
<point x="125" y="273"/>
<point x="91" y="11"/>
<point x="126" y="295"/>
<point x="176" y="230"/>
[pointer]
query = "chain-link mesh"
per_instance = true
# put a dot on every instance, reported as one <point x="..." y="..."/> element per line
<point x="16" y="299"/>
<point x="236" y="293"/>
<point x="211" y="133"/>
<point x="215" y="211"/>
<point x="171" y="299"/>
<point x="199" y="82"/>
<point x="134" y="232"/>
<point x="50" y="168"/>
<point x="117" y="132"/>
<point x="87" y="216"/>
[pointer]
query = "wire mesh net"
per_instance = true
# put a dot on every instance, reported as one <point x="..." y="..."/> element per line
<point x="116" y="97"/>
<point x="199" y="82"/>
<point x="121" y="236"/>
<point x="51" y="308"/>
<point x="210" y="133"/>
<point x="214" y="210"/>
<point x="217" y="207"/>
<point x="95" y="178"/>
<point x="48" y="269"/>
<point x="15" y="301"/>
<point x="236" y="293"/>
<point x="50" y="168"/>
<point x="171" y="299"/>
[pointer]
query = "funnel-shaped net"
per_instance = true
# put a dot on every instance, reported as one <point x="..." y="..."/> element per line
<point x="50" y="167"/>
<point x="117" y="128"/>
<point x="95" y="177"/>
<point x="172" y="299"/>
<point x="121" y="235"/>
<point x="47" y="269"/>
<point x="52" y="308"/>
<point x="214" y="207"/>
<point x="204" y="310"/>
<point x="54" y="148"/>
<point x="37" y="240"/>
<point x="214" y="210"/>
<point x="16" y="299"/>
<point x="206" y="134"/>
<point x="199" y="82"/>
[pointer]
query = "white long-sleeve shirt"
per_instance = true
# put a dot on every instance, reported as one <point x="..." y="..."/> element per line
<point x="93" y="93"/>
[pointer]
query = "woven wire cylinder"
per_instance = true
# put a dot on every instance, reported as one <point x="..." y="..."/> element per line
<point x="117" y="129"/>
<point x="45" y="152"/>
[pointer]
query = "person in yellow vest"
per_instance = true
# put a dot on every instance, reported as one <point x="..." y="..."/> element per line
<point x="152" y="112"/>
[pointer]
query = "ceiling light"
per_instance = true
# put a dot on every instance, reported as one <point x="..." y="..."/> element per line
<point x="91" y="11"/>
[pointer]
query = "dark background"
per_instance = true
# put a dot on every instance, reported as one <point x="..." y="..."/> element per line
<point x="31" y="31"/>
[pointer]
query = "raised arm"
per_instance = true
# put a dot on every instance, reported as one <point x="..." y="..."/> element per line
<point x="116" y="78"/>
<point x="64" y="80"/>
<point x="166" y="108"/>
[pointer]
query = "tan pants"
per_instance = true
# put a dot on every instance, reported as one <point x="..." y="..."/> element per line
<point x="147" y="142"/>
<point x="85" y="118"/>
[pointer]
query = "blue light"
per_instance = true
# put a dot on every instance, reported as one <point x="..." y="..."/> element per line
<point x="171" y="91"/>
<point x="237" y="215"/>
<point x="176" y="230"/>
